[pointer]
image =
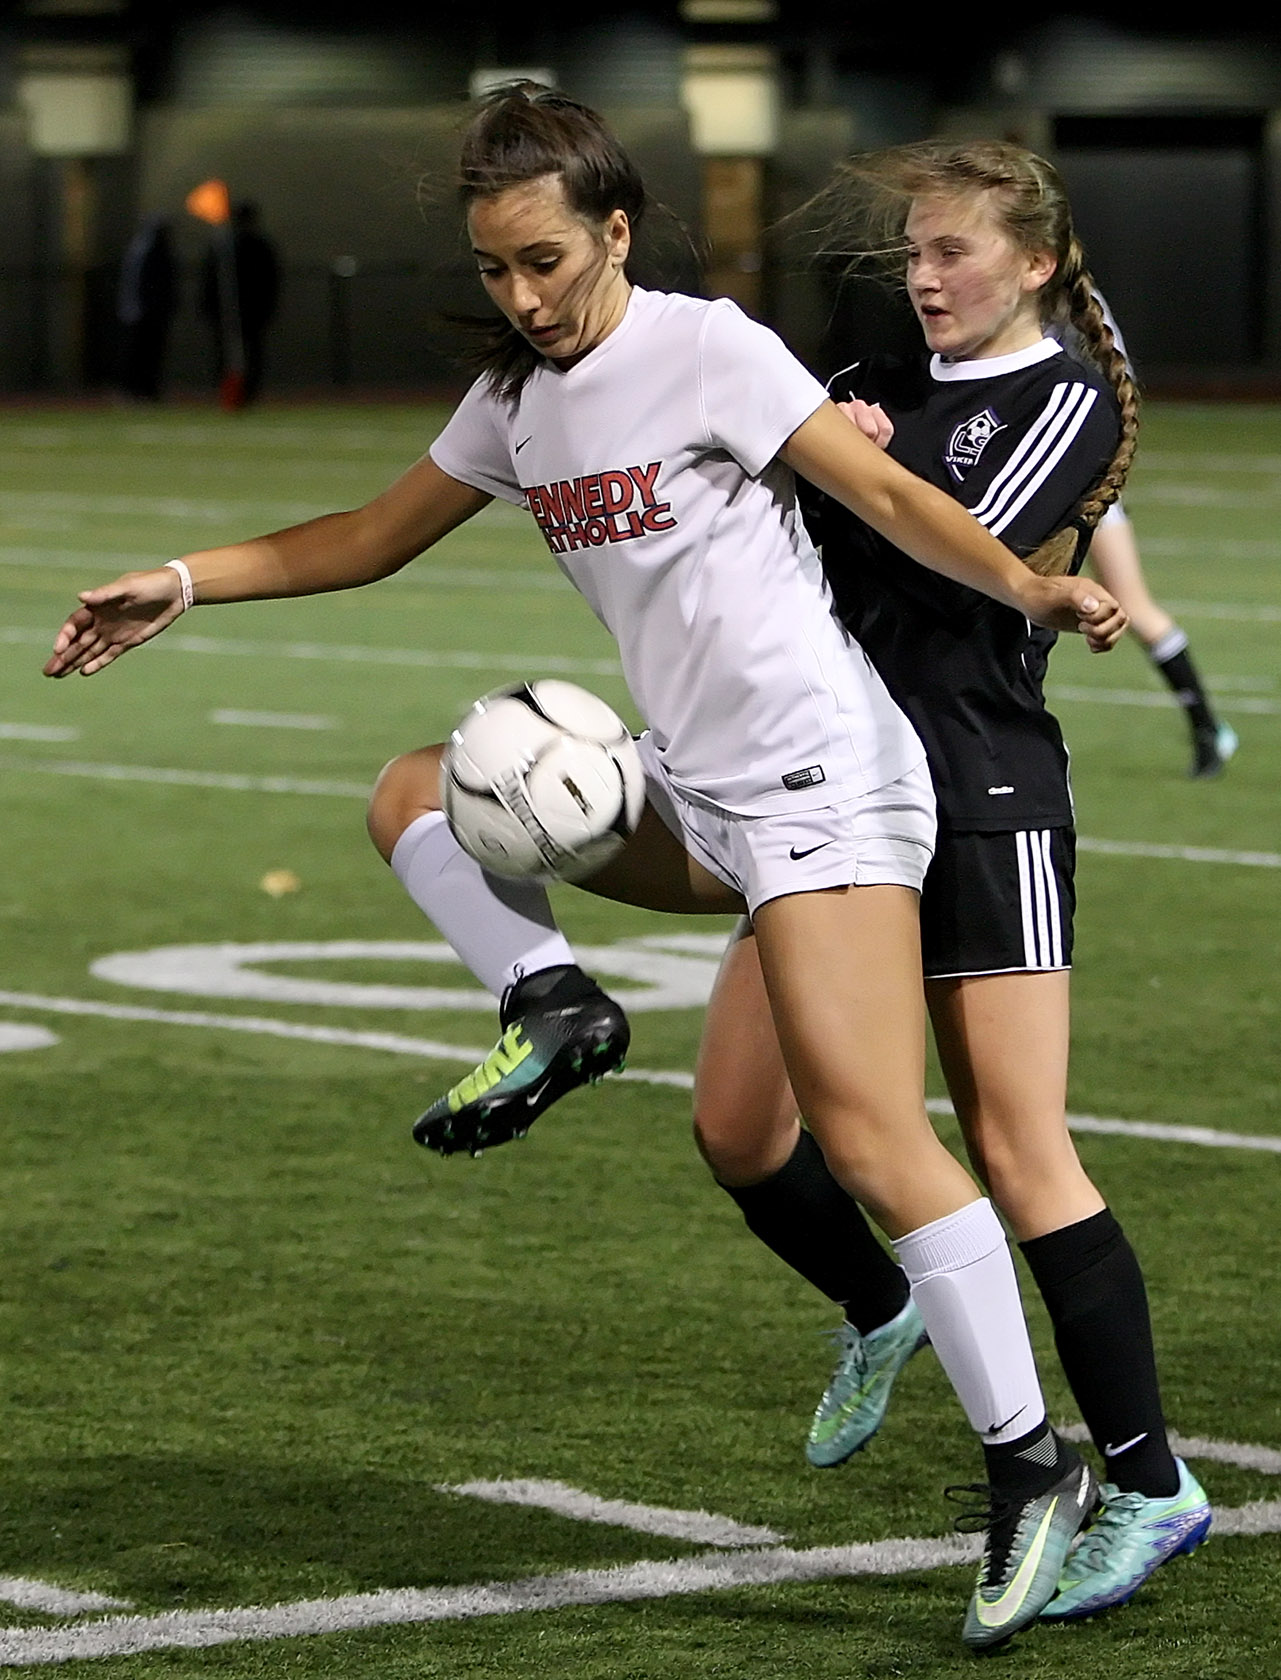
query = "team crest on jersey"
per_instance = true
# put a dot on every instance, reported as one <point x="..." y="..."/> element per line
<point x="969" y="440"/>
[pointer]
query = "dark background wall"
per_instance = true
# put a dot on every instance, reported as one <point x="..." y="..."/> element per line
<point x="342" y="130"/>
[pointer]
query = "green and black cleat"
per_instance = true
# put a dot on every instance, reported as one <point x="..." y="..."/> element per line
<point x="560" y="1031"/>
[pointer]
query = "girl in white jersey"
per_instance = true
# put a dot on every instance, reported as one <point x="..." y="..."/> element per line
<point x="654" y="439"/>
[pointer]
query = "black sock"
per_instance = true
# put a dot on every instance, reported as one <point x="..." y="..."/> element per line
<point x="1023" y="1468"/>
<point x="810" y="1222"/>
<point x="1093" y="1288"/>
<point x="1176" y="666"/>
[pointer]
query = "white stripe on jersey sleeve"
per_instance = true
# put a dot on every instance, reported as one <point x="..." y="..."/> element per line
<point x="1037" y="457"/>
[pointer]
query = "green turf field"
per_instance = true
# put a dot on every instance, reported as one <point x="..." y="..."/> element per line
<point x="251" y="1334"/>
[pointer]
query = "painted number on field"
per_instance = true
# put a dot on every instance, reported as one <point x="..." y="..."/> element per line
<point x="673" y="971"/>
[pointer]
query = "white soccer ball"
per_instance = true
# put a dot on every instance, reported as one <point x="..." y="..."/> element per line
<point x="542" y="781"/>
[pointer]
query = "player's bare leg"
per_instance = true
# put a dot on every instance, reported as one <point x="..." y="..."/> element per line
<point x="747" y="1128"/>
<point x="842" y="972"/>
<point x="1003" y="1043"/>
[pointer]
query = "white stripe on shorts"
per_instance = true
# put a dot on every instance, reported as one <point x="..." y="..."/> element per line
<point x="1039" y="900"/>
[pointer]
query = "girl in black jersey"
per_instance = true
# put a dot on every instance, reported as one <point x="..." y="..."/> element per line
<point x="1033" y="443"/>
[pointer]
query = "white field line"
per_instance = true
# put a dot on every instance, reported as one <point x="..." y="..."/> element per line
<point x="18" y="1036"/>
<point x="95" y="563"/>
<point x="233" y="782"/>
<point x="419" y="659"/>
<point x="712" y="1572"/>
<point x="1178" y="854"/>
<point x="227" y="781"/>
<point x="400" y="1044"/>
<point x="700" y="1528"/>
<point x="272" y="720"/>
<point x="37" y="732"/>
<point x="50" y="1600"/>
<point x="1152" y="697"/>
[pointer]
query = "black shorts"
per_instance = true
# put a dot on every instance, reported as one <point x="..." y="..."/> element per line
<point x="999" y="903"/>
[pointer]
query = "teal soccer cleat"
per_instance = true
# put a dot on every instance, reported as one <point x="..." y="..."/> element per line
<point x="1024" y="1553"/>
<point x="560" y="1031"/>
<point x="853" y="1405"/>
<point x="1131" y="1538"/>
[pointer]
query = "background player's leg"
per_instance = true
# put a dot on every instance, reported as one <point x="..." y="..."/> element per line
<point x="1114" y="558"/>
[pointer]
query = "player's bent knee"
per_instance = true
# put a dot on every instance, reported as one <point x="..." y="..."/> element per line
<point x="407" y="788"/>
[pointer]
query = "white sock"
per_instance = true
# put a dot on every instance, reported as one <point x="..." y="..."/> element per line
<point x="500" y="929"/>
<point x="962" y="1278"/>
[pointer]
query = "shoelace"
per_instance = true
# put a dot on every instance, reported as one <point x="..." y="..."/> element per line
<point x="1117" y="1514"/>
<point x="852" y="1345"/>
<point x="997" y="1510"/>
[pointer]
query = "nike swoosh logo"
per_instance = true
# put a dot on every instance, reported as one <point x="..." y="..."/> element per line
<point x="1003" y="1609"/>
<point x="797" y="856"/>
<point x="1112" y="1452"/>
<point x="522" y="444"/>
<point x="998" y="1427"/>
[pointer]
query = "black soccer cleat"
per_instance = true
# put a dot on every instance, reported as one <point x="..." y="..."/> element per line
<point x="1212" y="747"/>
<point x="560" y="1031"/>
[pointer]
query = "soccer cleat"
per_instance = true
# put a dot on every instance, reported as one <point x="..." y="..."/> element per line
<point x="560" y="1031"/>
<point x="1131" y="1538"/>
<point x="853" y="1405"/>
<point x="1211" y="750"/>
<point x="1024" y="1552"/>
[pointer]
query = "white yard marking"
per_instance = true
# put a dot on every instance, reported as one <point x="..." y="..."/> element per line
<point x="397" y="1044"/>
<point x="38" y="732"/>
<point x="420" y="659"/>
<point x="226" y="781"/>
<point x="660" y="977"/>
<point x="1155" y="697"/>
<point x="717" y="1571"/>
<point x="19" y="1036"/>
<point x="95" y="563"/>
<point x="272" y="720"/>
<point x="50" y="1600"/>
<point x="713" y="1572"/>
<point x="700" y="1528"/>
<point x="229" y="782"/>
<point x="1179" y="854"/>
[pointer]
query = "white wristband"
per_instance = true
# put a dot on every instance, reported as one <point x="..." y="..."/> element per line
<point x="184" y="578"/>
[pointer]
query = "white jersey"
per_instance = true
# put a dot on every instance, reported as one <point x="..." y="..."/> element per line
<point x="651" y="468"/>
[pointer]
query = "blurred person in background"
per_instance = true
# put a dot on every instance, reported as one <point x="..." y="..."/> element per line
<point x="255" y="295"/>
<point x="146" y="300"/>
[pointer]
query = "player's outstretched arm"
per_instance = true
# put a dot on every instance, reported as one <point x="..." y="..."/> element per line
<point x="337" y="551"/>
<point x="932" y="528"/>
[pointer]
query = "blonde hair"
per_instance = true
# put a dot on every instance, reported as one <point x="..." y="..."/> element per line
<point x="861" y="215"/>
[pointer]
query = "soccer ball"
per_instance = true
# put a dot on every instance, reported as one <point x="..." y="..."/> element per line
<point x="542" y="781"/>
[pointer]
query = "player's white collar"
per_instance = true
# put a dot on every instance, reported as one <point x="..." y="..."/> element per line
<point x="989" y="367"/>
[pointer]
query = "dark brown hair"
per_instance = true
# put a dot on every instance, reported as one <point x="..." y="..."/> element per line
<point x="861" y="214"/>
<point x="521" y="132"/>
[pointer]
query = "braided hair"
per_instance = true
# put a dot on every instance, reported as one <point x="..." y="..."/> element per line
<point x="861" y="215"/>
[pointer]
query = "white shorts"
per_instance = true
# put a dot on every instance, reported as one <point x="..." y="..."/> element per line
<point x="882" y="838"/>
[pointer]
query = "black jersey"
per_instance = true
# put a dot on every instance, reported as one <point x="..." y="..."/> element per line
<point x="1018" y="440"/>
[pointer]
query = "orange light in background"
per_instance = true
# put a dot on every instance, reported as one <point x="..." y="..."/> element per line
<point x="211" y="202"/>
